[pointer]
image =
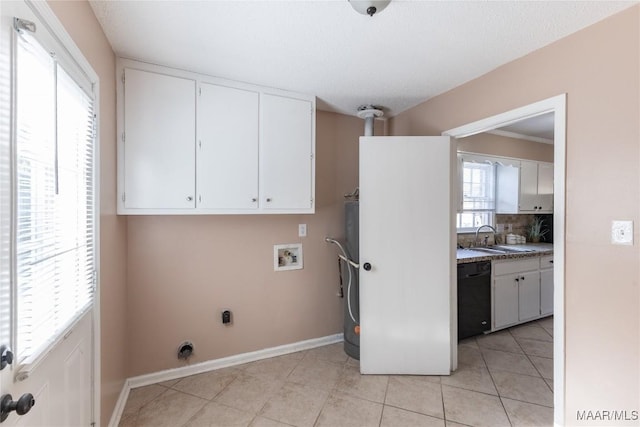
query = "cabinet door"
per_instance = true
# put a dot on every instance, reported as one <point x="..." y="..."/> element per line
<point x="286" y="148"/>
<point x="545" y="187"/>
<point x="507" y="187"/>
<point x="228" y="148"/>
<point x="546" y="292"/>
<point x="528" y="186"/>
<point x="159" y="141"/>
<point x="505" y="301"/>
<point x="529" y="295"/>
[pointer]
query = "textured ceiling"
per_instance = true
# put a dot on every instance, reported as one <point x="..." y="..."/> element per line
<point x="406" y="54"/>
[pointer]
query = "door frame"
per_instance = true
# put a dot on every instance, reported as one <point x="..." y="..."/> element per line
<point x="558" y="106"/>
<point x="46" y="15"/>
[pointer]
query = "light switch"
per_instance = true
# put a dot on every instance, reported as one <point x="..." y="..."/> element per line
<point x="622" y="232"/>
<point x="302" y="230"/>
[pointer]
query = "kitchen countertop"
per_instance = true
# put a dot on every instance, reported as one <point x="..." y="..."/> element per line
<point x="539" y="249"/>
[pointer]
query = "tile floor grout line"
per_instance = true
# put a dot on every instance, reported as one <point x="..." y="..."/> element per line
<point x="196" y="413"/>
<point x="384" y="399"/>
<point x="326" y="399"/>
<point x="496" y="387"/>
<point x="524" y="401"/>
<point x="444" y="409"/>
<point x="334" y="390"/>
<point x="534" y="365"/>
<point x="416" y="412"/>
<point x="382" y="415"/>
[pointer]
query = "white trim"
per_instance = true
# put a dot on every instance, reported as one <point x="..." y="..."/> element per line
<point x="557" y="105"/>
<point x="212" y="365"/>
<point x="44" y="13"/>
<point x="516" y="135"/>
<point x="118" y="410"/>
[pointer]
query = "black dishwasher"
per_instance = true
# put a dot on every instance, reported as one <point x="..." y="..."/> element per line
<point x="474" y="298"/>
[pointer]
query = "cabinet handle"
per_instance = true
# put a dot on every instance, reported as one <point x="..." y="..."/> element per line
<point x="551" y="261"/>
<point x="253" y="199"/>
<point x="522" y="278"/>
<point x="518" y="279"/>
<point x="268" y="199"/>
<point x="189" y="198"/>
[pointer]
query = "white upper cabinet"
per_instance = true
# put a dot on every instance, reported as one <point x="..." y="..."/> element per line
<point x="195" y="144"/>
<point x="227" y="148"/>
<point x="158" y="156"/>
<point x="526" y="187"/>
<point x="286" y="153"/>
<point x="536" y="187"/>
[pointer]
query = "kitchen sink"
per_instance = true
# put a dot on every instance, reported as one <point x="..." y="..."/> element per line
<point x="501" y="250"/>
<point x="489" y="250"/>
<point x="511" y="249"/>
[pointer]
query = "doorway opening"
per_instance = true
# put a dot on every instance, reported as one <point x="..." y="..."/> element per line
<point x="557" y="107"/>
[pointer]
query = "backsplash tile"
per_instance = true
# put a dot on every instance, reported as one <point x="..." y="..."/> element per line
<point x="519" y="225"/>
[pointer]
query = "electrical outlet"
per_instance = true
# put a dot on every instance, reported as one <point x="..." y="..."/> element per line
<point x="622" y="232"/>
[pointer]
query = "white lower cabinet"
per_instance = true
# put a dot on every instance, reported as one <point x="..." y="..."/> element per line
<point x="505" y="301"/>
<point x="519" y="294"/>
<point x="528" y="295"/>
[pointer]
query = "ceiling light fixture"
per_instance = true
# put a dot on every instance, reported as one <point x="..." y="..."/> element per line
<point x="369" y="7"/>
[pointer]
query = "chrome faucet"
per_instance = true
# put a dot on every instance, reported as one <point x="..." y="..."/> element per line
<point x="486" y="237"/>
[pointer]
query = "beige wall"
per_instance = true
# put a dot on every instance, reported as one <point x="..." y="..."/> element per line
<point x="81" y="24"/>
<point x="499" y="145"/>
<point x="599" y="70"/>
<point x="183" y="270"/>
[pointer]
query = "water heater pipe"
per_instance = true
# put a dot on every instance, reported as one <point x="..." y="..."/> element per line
<point x="369" y="113"/>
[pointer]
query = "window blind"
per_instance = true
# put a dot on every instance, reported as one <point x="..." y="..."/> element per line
<point x="54" y="199"/>
<point x="478" y="186"/>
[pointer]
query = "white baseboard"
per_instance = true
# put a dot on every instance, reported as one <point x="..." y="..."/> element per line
<point x="211" y="365"/>
<point x="116" y="415"/>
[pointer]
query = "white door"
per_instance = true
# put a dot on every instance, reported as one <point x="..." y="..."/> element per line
<point x="228" y="148"/>
<point x="58" y="379"/>
<point x="407" y="273"/>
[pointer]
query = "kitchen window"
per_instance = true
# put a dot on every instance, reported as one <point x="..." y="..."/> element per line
<point x="477" y="176"/>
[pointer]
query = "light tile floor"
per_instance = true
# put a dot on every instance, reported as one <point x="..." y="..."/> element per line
<point x="503" y="379"/>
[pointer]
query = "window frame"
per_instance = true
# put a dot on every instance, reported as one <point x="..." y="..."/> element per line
<point x="53" y="36"/>
<point x="462" y="156"/>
